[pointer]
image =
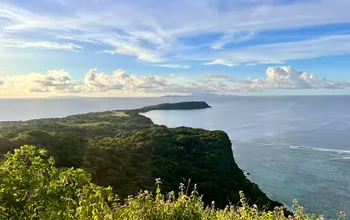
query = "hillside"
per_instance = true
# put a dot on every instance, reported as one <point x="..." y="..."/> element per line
<point x="127" y="151"/>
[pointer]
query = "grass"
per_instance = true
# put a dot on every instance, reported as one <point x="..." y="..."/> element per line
<point x="182" y="206"/>
<point x="121" y="114"/>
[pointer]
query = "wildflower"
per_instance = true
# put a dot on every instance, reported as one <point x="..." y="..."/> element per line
<point x="107" y="216"/>
<point x="290" y="217"/>
<point x="186" y="197"/>
<point x="213" y="202"/>
<point x="295" y="201"/>
<point x="342" y="213"/>
<point x="157" y="179"/>
<point x="142" y="194"/>
<point x="241" y="192"/>
<point x="322" y="218"/>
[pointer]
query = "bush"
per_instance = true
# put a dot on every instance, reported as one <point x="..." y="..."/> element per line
<point x="31" y="187"/>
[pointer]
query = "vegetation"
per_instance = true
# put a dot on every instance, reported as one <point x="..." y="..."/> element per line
<point x="31" y="187"/>
<point x="122" y="153"/>
<point x="175" y="106"/>
<point x="127" y="151"/>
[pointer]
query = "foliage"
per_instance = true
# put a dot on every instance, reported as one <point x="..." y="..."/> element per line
<point x="31" y="187"/>
<point x="127" y="151"/>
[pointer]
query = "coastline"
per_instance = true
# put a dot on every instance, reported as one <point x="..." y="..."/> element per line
<point x="221" y="166"/>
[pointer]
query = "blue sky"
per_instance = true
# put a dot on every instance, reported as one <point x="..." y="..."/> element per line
<point x="158" y="47"/>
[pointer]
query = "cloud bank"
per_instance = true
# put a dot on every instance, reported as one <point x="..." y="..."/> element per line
<point x="58" y="82"/>
<point x="286" y="77"/>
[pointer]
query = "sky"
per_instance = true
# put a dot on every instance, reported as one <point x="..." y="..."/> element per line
<point x="173" y="47"/>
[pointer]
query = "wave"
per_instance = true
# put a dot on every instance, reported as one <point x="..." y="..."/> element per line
<point x="338" y="151"/>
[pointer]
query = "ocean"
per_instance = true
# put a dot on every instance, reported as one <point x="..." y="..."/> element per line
<point x="295" y="147"/>
<point x="292" y="147"/>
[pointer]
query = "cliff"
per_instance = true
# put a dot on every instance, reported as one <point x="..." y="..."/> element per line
<point x="127" y="151"/>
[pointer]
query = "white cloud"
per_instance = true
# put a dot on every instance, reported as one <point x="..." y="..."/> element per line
<point x="56" y="82"/>
<point x="286" y="77"/>
<point x="95" y="80"/>
<point x="221" y="62"/>
<point x="51" y="45"/>
<point x="175" y="66"/>
<point x="121" y="81"/>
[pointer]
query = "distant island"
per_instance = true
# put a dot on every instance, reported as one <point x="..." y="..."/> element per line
<point x="125" y="150"/>
<point x="175" y="96"/>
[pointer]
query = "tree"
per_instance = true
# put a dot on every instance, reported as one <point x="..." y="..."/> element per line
<point x="31" y="187"/>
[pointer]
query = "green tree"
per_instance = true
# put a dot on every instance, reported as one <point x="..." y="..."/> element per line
<point x="31" y="187"/>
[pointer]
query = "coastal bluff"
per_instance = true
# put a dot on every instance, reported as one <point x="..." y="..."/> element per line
<point x="126" y="151"/>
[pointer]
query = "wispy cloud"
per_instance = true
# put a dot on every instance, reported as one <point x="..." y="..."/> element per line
<point x="175" y="66"/>
<point x="215" y="76"/>
<point x="224" y="62"/>
<point x="234" y="37"/>
<point x="6" y="42"/>
<point x="282" y="52"/>
<point x="131" y="46"/>
<point x="42" y="44"/>
<point x="154" y="31"/>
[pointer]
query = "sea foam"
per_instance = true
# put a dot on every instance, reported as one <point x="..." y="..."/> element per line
<point x="338" y="151"/>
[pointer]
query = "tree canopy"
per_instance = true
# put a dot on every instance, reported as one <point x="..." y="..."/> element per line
<point x="126" y="151"/>
<point x="31" y="187"/>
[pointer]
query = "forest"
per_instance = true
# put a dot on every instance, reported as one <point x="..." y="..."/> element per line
<point x="126" y="151"/>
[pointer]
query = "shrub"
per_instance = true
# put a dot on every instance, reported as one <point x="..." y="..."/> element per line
<point x="31" y="187"/>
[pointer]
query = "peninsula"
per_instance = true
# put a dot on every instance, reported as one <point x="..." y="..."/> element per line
<point x="192" y="105"/>
<point x="126" y="151"/>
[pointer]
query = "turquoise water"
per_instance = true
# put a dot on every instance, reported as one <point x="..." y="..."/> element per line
<point x="292" y="147"/>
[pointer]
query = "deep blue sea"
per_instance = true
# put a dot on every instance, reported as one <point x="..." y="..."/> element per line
<point x="295" y="147"/>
